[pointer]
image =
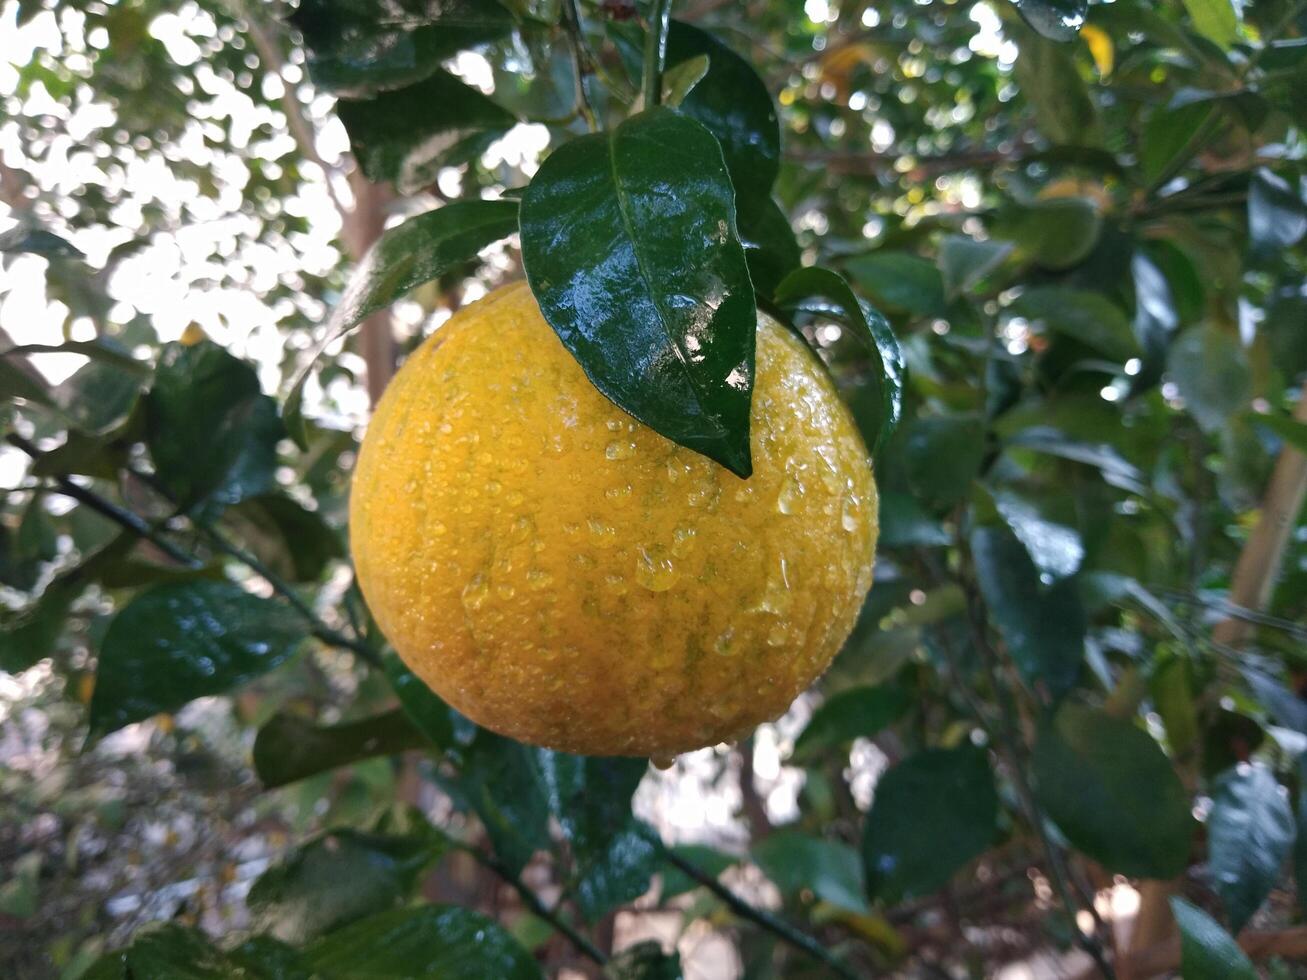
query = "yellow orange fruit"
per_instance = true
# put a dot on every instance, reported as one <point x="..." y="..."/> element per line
<point x="562" y="574"/>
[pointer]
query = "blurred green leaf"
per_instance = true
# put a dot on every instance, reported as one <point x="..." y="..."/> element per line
<point x="769" y="245"/>
<point x="1116" y="469"/>
<point x="869" y="328"/>
<point x="181" y="953"/>
<point x="1250" y="829"/>
<point x="406" y="135"/>
<point x="899" y="281"/>
<point x="932" y="813"/>
<point x="1169" y="137"/>
<point x="858" y="712"/>
<point x="1210" y="369"/>
<point x="501" y="782"/>
<point x="1277" y="211"/>
<point x="174" y="643"/>
<point x="418" y="250"/>
<point x="964" y="262"/>
<point x="1058" y="20"/>
<point x="1173" y="697"/>
<point x="1055" y="548"/>
<point x="644" y="961"/>
<point x="209" y="428"/>
<point x="98" y="396"/>
<point x="734" y="105"/>
<point x="337" y="878"/>
<point x="1089" y="317"/>
<point x="943" y="456"/>
<point x="288" y="749"/>
<point x="1050" y="80"/>
<point x="1113" y="793"/>
<point x="1056" y="233"/>
<point x="422" y="705"/>
<point x="680" y="80"/>
<point x="1216" y="20"/>
<point x="1208" y="952"/>
<point x="797" y="862"/>
<point x="430" y="942"/>
<point x="630" y="246"/>
<point x="296" y="543"/>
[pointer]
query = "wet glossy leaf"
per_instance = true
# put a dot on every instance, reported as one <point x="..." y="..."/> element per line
<point x="932" y="813"/>
<point x="1156" y="316"/>
<point x="644" y="961"/>
<point x="899" y="281"/>
<point x="630" y="246"/>
<point x="1055" y="19"/>
<point x="1113" y="793"/>
<point x="1044" y="627"/>
<point x="288" y="749"/>
<point x="500" y="780"/>
<point x="963" y="262"/>
<point x="943" y="455"/>
<point x="1089" y="317"/>
<point x="1250" y="829"/>
<point x="769" y="244"/>
<point x="417" y="251"/>
<point x="431" y="942"/>
<point x="1208" y="952"/>
<point x="180" y="953"/>
<point x="1210" y="368"/>
<point x="1277" y="211"/>
<point x="406" y="135"/>
<point x="209" y="429"/>
<point x="1050" y="80"/>
<point x="591" y="799"/>
<point x="98" y="396"/>
<point x="335" y="879"/>
<point x="423" y="706"/>
<point x="734" y="105"/>
<point x="904" y="523"/>
<point x="1116" y="469"/>
<point x="358" y="48"/>
<point x="795" y="861"/>
<point x="858" y="712"/>
<point x="174" y="643"/>
<point x="1056" y="233"/>
<point x="1216" y="20"/>
<point x="680" y="80"/>
<point x="1055" y="548"/>
<point x="869" y="328"/>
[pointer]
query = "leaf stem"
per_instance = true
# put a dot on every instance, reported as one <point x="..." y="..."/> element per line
<point x="761" y="917"/>
<point x="581" y="65"/>
<point x="538" y="908"/>
<point x="124" y="518"/>
<point x="655" y="52"/>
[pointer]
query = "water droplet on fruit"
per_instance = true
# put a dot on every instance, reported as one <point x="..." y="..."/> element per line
<point x="619" y="449"/>
<point x="654" y="569"/>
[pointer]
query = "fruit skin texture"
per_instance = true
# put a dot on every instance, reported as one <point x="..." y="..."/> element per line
<point x="562" y="574"/>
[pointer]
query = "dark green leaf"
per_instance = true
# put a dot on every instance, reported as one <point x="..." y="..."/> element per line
<point x="1113" y="793"/>
<point x="98" y="396"/>
<point x="1116" y="470"/>
<point x="858" y="712"/>
<point x="680" y="80"/>
<point x="734" y="105"/>
<point x="1056" y="233"/>
<point x="209" y="428"/>
<point x="501" y="782"/>
<point x="1250" y="829"/>
<point x="176" y="952"/>
<point x="431" y="942"/>
<point x="932" y="813"/>
<point x="408" y="134"/>
<point x="288" y="749"/>
<point x="174" y="643"/>
<point x="899" y="281"/>
<point x="1044" y="627"/>
<point x="335" y="879"/>
<point x="1277" y="211"/>
<point x="296" y="543"/>
<point x="37" y="241"/>
<point x="795" y="862"/>
<point x="1208" y="952"/>
<point x="1156" y="316"/>
<point x="423" y="706"/>
<point x="869" y="329"/>
<point x="943" y="455"/>
<point x="1291" y="431"/>
<point x="30" y="636"/>
<point x="1055" y="548"/>
<point x="417" y="251"/>
<point x="28" y="386"/>
<point x="1285" y="328"/>
<point x="1216" y="20"/>
<point x="963" y="261"/>
<point x="358" y="48"/>
<point x="1050" y="80"/>
<point x="1055" y="19"/>
<point x="1210" y="369"/>
<point x="770" y="247"/>
<point x="84" y="454"/>
<point x="904" y="523"/>
<point x="630" y="247"/>
<point x="1089" y="317"/>
<point x="644" y="961"/>
<point x="1169" y="137"/>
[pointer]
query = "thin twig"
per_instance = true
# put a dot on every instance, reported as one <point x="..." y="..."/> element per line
<point x="655" y="53"/>
<point x="538" y="908"/>
<point x="761" y="917"/>
<point x="124" y="518"/>
<point x="581" y="66"/>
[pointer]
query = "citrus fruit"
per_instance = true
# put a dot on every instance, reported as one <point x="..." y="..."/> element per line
<point x="562" y="574"/>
